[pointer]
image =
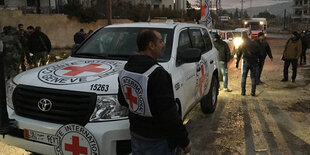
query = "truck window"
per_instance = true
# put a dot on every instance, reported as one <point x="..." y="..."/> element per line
<point x="197" y="39"/>
<point x="184" y="41"/>
<point x="121" y="42"/>
<point x="207" y="40"/>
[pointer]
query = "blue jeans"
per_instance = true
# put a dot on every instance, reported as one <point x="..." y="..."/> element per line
<point x="224" y="71"/>
<point x="145" y="147"/>
<point x="245" y="69"/>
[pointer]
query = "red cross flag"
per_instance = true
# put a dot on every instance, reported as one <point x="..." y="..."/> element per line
<point x="205" y="13"/>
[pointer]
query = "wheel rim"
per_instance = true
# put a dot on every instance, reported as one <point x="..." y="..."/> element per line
<point x="214" y="92"/>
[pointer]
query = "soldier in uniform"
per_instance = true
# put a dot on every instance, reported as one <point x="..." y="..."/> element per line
<point x="11" y="47"/>
<point x="24" y="52"/>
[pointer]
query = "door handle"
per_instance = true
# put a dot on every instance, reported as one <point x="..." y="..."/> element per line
<point x="211" y="62"/>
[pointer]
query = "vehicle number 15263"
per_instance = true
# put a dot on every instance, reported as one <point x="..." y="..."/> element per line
<point x="99" y="87"/>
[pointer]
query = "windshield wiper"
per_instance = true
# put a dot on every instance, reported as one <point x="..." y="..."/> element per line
<point x="92" y="55"/>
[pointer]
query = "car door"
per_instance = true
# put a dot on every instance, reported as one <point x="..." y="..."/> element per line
<point x="185" y="73"/>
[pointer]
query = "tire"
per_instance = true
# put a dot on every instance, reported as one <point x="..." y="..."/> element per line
<point x="209" y="101"/>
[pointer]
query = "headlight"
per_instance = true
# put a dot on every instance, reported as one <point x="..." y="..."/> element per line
<point x="10" y="86"/>
<point x="108" y="108"/>
<point x="237" y="42"/>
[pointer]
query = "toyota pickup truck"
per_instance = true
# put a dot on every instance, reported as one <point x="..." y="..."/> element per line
<point x="71" y="106"/>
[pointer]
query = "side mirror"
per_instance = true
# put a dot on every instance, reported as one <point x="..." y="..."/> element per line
<point x="188" y="55"/>
<point x="75" y="47"/>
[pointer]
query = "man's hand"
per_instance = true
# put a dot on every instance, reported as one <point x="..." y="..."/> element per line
<point x="188" y="148"/>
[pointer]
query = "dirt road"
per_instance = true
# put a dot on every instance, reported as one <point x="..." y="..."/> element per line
<point x="276" y="121"/>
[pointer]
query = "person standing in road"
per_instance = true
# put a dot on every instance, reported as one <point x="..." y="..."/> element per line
<point x="79" y="36"/>
<point x="223" y="57"/>
<point x="249" y="51"/>
<point x="304" y="43"/>
<point x="24" y="52"/>
<point x="39" y="45"/>
<point x="291" y="53"/>
<point x="264" y="51"/>
<point x="145" y="88"/>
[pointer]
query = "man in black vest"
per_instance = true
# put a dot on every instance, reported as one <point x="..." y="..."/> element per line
<point x="162" y="130"/>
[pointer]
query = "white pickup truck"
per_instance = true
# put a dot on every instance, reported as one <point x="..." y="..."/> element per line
<point x="71" y="106"/>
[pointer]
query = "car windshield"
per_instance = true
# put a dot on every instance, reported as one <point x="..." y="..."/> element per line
<point x="237" y="34"/>
<point x="120" y="43"/>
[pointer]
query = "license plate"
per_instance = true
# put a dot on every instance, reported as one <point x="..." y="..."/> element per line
<point x="41" y="137"/>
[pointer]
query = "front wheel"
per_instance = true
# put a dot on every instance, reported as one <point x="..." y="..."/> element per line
<point x="208" y="102"/>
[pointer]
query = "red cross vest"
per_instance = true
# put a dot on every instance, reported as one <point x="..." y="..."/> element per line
<point x="134" y="89"/>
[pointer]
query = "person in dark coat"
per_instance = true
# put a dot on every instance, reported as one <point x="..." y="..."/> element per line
<point x="291" y="53"/>
<point x="249" y="52"/>
<point x="155" y="125"/>
<point x="223" y="57"/>
<point x="79" y="36"/>
<point x="304" y="43"/>
<point x="24" y="52"/>
<point x="39" y="45"/>
<point x="264" y="51"/>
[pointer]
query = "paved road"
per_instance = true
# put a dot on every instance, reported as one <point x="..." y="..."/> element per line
<point x="276" y="121"/>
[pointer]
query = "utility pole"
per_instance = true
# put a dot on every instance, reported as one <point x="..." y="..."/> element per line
<point x="109" y="12"/>
<point x="284" y="18"/>
<point x="241" y="13"/>
<point x="251" y="8"/>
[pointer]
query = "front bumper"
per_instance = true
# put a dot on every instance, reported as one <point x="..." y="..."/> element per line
<point x="111" y="137"/>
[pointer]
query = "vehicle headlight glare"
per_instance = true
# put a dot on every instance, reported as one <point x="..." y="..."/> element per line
<point x="108" y="108"/>
<point x="237" y="42"/>
<point x="10" y="86"/>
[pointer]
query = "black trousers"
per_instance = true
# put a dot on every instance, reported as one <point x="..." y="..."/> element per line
<point x="303" y="56"/>
<point x="287" y="65"/>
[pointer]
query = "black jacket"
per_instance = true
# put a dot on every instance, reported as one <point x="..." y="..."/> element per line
<point x="224" y="51"/>
<point x="79" y="37"/>
<point x="166" y="122"/>
<point x="249" y="51"/>
<point x="264" y="49"/>
<point x="39" y="42"/>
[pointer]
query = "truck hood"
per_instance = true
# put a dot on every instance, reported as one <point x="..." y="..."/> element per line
<point x="76" y="74"/>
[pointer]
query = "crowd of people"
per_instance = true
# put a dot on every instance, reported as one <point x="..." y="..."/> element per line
<point x="24" y="49"/>
<point x="253" y="55"/>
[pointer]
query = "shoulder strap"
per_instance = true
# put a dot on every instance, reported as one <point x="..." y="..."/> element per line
<point x="150" y="71"/>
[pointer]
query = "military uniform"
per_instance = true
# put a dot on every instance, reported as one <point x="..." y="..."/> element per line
<point x="11" y="47"/>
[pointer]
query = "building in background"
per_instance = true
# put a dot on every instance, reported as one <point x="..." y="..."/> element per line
<point x="301" y="11"/>
<point x="53" y="6"/>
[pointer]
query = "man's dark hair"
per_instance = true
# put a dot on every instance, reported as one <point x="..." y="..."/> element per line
<point x="144" y="37"/>
<point x="19" y="25"/>
<point x="37" y="28"/>
<point x="260" y="34"/>
<point x="30" y="27"/>
<point x="81" y="30"/>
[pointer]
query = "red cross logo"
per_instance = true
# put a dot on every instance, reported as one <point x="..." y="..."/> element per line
<point x="132" y="99"/>
<point x="75" y="148"/>
<point x="75" y="70"/>
<point x="202" y="79"/>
